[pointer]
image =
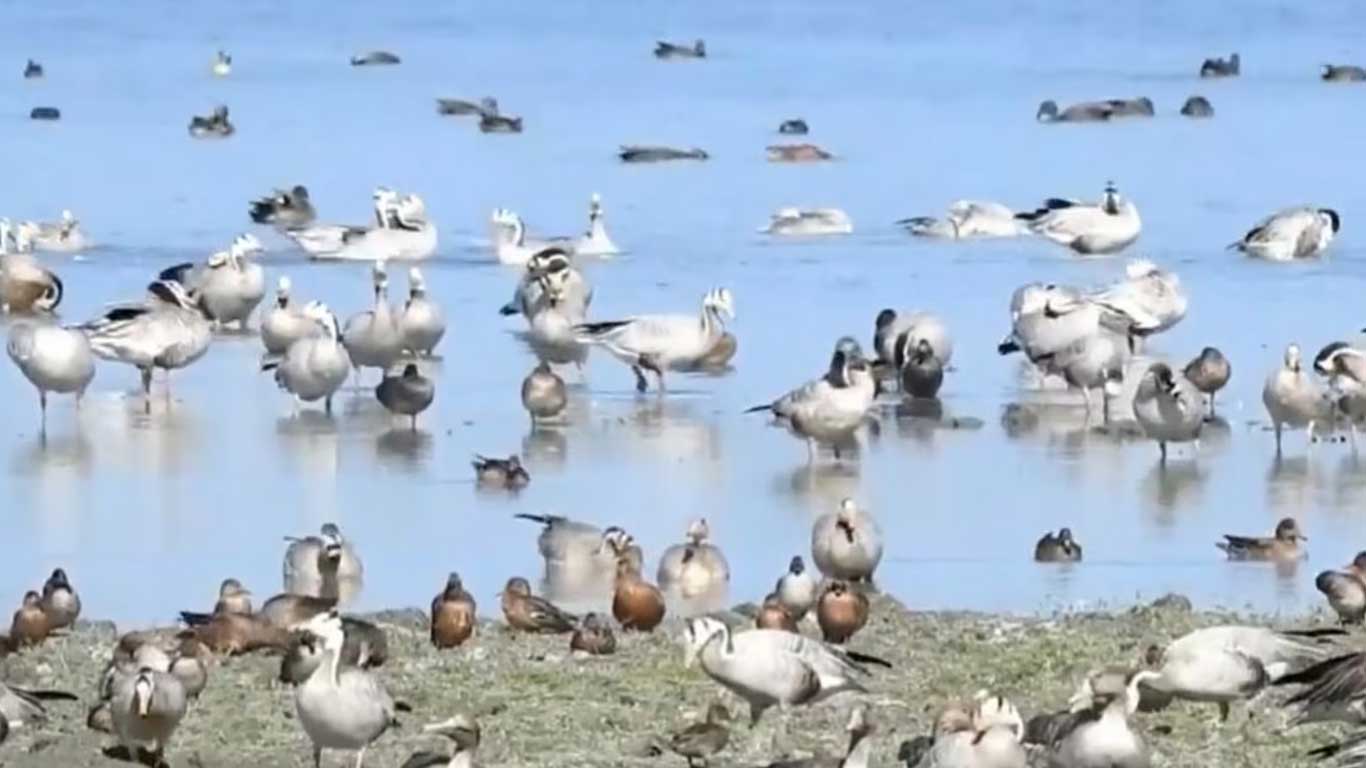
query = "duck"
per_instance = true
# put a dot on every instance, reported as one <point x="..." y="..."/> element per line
<point x="375" y="59"/>
<point x="594" y="636"/>
<point x="26" y="286"/>
<point x="847" y="544"/>
<point x="406" y="394"/>
<point x="893" y="328"/>
<point x="1346" y="590"/>
<point x="147" y="707"/>
<point x="45" y="113"/>
<point x="233" y="598"/>
<point x="1217" y="67"/>
<point x="580" y="559"/>
<point x="314" y="367"/>
<point x="341" y="708"/>
<point x="543" y="394"/>
<point x="660" y="342"/>
<point x="1291" y="233"/>
<point x="667" y="50"/>
<point x="1197" y="107"/>
<point x="1344" y="367"/>
<point x="222" y="64"/>
<point x="30" y="625"/>
<point x="33" y="70"/>
<point x="796" y="153"/>
<point x="1293" y="399"/>
<point x="287" y="210"/>
<point x="1343" y="73"/>
<point x="1209" y="372"/>
<point x="215" y="126"/>
<point x="463" y="732"/>
<point x="642" y="153"/>
<point x="809" y="222"/>
<point x="1059" y="548"/>
<point x="1283" y="545"/>
<point x="841" y="612"/>
<point x="501" y="473"/>
<point x="373" y="338"/>
<point x="53" y="358"/>
<point x="921" y="374"/>
<point x="968" y="219"/>
<point x="364" y="646"/>
<point x="695" y="567"/>
<point x="986" y="734"/>
<point x="290" y="611"/>
<point x="453" y="614"/>
<point x="595" y="241"/>
<point x="526" y="612"/>
<point x="286" y="321"/>
<point x="233" y="634"/>
<point x="794" y="127"/>
<point x="61" y="236"/>
<point x="1089" y="229"/>
<point x="773" y="614"/>
<point x="1140" y="107"/>
<point x="326" y="566"/>
<point x="703" y="740"/>
<point x="229" y="286"/>
<point x="1149" y="300"/>
<point x="167" y="331"/>
<point x="1084" y="112"/>
<point x="830" y="409"/>
<point x="485" y="106"/>
<point x="499" y="123"/>
<point x="637" y="605"/>
<point x="61" y="605"/>
<point x="24" y="706"/>
<point x="1168" y="408"/>
<point x="797" y="589"/>
<point x="512" y="245"/>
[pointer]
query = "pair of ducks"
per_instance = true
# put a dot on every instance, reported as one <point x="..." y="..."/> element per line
<point x="841" y="609"/>
<point x="637" y="605"/>
<point x="55" y="607"/>
<point x="402" y="230"/>
<point x="215" y="125"/>
<point x="491" y="120"/>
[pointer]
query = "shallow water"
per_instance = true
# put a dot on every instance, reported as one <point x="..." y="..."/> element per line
<point x="922" y="106"/>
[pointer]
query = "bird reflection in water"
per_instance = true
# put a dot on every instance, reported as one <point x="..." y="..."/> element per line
<point x="1173" y="486"/>
<point x="403" y="448"/>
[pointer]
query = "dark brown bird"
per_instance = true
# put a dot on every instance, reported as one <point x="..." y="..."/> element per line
<point x="60" y="601"/>
<point x="1283" y="545"/>
<point x="637" y="604"/>
<point x="501" y="473"/>
<point x="232" y="598"/>
<point x="594" y="636"/>
<point x="30" y="625"/>
<point x="529" y="613"/>
<point x="233" y="634"/>
<point x="774" y="615"/>
<point x="1346" y="590"/>
<point x="453" y="614"/>
<point x="841" y="612"/>
<point x="702" y="740"/>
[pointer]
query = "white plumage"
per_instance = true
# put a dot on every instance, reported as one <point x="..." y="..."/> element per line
<point x="52" y="358"/>
<point x="343" y="708"/>
<point x="315" y="366"/>
<point x="1100" y="228"/>
<point x="847" y="544"/>
<point x="809" y="222"/>
<point x="969" y="219"/>
<point x="421" y="322"/>
<point x="1292" y="233"/>
<point x="662" y="342"/>
<point x="1293" y="399"/>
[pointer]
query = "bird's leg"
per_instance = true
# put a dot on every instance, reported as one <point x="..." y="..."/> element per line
<point x="1086" y="398"/>
<point x="415" y="422"/>
<point x="360" y="758"/>
<point x="1162" y="447"/>
<point x="147" y="389"/>
<point x="1223" y="711"/>
<point x="42" y="406"/>
<point x="327" y="406"/>
<point x="1309" y="430"/>
<point x="1211" y="406"/>
<point x="810" y="452"/>
<point x="1352" y="434"/>
<point x="641" y="383"/>
<point x="1104" y="407"/>
<point x="1278" y="438"/>
<point x="317" y="756"/>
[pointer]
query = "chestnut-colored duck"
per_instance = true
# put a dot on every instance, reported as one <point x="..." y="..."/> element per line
<point x="453" y="614"/>
<point x="841" y="612"/>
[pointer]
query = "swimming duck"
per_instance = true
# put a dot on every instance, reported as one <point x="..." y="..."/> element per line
<point x="921" y="373"/>
<point x="453" y="614"/>
<point x="373" y="338"/>
<point x="501" y="473"/>
<point x="1084" y="112"/>
<point x="1106" y="227"/>
<point x="595" y="242"/>
<point x="30" y="625"/>
<point x="61" y="605"/>
<point x="33" y="70"/>
<point x="796" y="153"/>
<point x="773" y="614"/>
<point x="809" y="222"/>
<point x="1343" y="73"/>
<point x="847" y="544"/>
<point x="61" y="236"/>
<point x="797" y="589"/>
<point x="407" y="394"/>
<point x="1167" y="407"/>
<point x="841" y="612"/>
<point x="1283" y="545"/>
<point x="543" y="394"/>
<point x="215" y="126"/>
<point x="1346" y="590"/>
<point x="594" y="636"/>
<point x="314" y="367"/>
<point x="1197" y="107"/>
<point x="229" y="286"/>
<point x="794" y="127"/>
<point x="660" y="342"/>
<point x="1291" y="233"/>
<point x="499" y="123"/>
<point x="968" y="219"/>
<point x="700" y="741"/>
<point x="528" y="613"/>
<point x="463" y="732"/>
<point x="286" y="210"/>
<point x="485" y="106"/>
<point x="1209" y="372"/>
<point x="286" y="322"/>
<point x="636" y="603"/>
<point x="222" y="64"/>
<point x="421" y="321"/>
<point x="1293" y="399"/>
<point x="639" y="153"/>
<point x="695" y="567"/>
<point x="374" y="58"/>
<point x="1059" y="548"/>
<point x="830" y="409"/>
<point x="53" y="358"/>
<point x="45" y="113"/>
<point x="147" y="707"/>
<point x="326" y="566"/>
<point x="667" y="50"/>
<point x="1217" y="67"/>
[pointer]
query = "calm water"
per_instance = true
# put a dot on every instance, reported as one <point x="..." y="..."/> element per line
<point x="923" y="105"/>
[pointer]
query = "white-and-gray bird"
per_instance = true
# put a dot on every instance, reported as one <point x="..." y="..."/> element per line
<point x="1344" y="366"/>
<point x="62" y="236"/>
<point x="808" y="222"/>
<point x="1292" y="233"/>
<point x="340" y="707"/>
<point x="53" y="358"/>
<point x="1147" y="301"/>
<point x="512" y="244"/>
<point x="1097" y="732"/>
<point x="695" y="567"/>
<point x="662" y="342"/>
<point x="968" y="219"/>
<point x="847" y="543"/>
<point x="421" y="321"/>
<point x="797" y="589"/>
<point x="325" y="566"/>
<point x="1168" y="408"/>
<point x="595" y="241"/>
<point x="1046" y="320"/>
<point x="406" y="394"/>
<point x="373" y="337"/>
<point x="891" y="326"/>
<point x="402" y="232"/>
<point x="530" y="296"/>
<point x="1293" y="399"/>
<point x="1097" y="361"/>
<point x="147" y="706"/>
<point x="229" y="286"/>
<point x="1106" y="227"/>
<point x="543" y="394"/>
<point x="286" y="321"/>
<point x="829" y="409"/>
<point x="314" y="367"/>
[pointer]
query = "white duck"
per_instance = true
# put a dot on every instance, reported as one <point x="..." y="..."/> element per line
<point x="1292" y="233"/>
<point x="1106" y="227"/>
<point x="53" y="359"/>
<point x="847" y="544"/>
<point x="512" y="245"/>
<point x="421" y="321"/>
<point x="661" y="342"/>
<point x="286" y="322"/>
<point x="340" y="707"/>
<point x="1168" y="407"/>
<point x="968" y="219"/>
<point x="809" y="222"/>
<point x="595" y="241"/>
<point x="61" y="236"/>
<point x="314" y="367"/>
<point x="373" y="338"/>
<point x="1293" y="399"/>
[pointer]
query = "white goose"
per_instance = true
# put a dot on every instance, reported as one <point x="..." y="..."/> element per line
<point x="661" y="342"/>
<point x="1149" y="300"/>
<point x="830" y="409"/>
<point x="61" y="236"/>
<point x="1292" y="233"/>
<point x="285" y="322"/>
<point x="1168" y="407"/>
<point x="968" y="219"/>
<point x="1045" y="321"/>
<point x="1098" y="734"/>
<point x="314" y="367"/>
<point x="421" y="321"/>
<point x="512" y="245"/>
<point x="229" y="286"/>
<point x="1106" y="227"/>
<point x="53" y="359"/>
<point x="595" y="241"/>
<point x="809" y="222"/>
<point x="847" y="544"/>
<point x="373" y="338"/>
<point x="146" y="708"/>
<point x="402" y="233"/>
<point x="343" y="708"/>
<point x="1293" y="399"/>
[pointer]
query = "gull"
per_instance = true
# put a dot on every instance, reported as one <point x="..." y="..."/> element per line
<point x="229" y="286"/>
<point x="1168" y="408"/>
<point x="1209" y="372"/>
<point x="809" y="222"/>
<point x="286" y="322"/>
<point x="421" y="321"/>
<point x="595" y="242"/>
<point x="847" y="543"/>
<point x="512" y="244"/>
<point x="61" y="236"/>
<point x="53" y="358"/>
<point x="1292" y="233"/>
<point x="147" y="706"/>
<point x="968" y="219"/>
<point x="1102" y="228"/>
<point x="1293" y="399"/>
<point x="1148" y="301"/>
<point x="661" y="342"/>
<point x="286" y="210"/>
<point x="325" y="566"/>
<point x="314" y="367"/>
<point x="167" y="331"/>
<point x="830" y="409"/>
<point x="373" y="338"/>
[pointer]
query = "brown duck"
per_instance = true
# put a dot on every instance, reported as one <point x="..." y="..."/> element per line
<point x="637" y="604"/>
<point x="501" y="473"/>
<point x="60" y="601"/>
<point x="233" y="634"/>
<point x="774" y="615"/>
<point x="288" y="611"/>
<point x="30" y="625"/>
<point x="841" y="612"/>
<point x="529" y="613"/>
<point x="702" y="740"/>
<point x="594" y="636"/>
<point x="1283" y="545"/>
<point x="452" y="614"/>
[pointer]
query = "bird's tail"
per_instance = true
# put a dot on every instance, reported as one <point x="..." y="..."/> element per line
<point x="864" y="658"/>
<point x="758" y="408"/>
<point x="192" y="619"/>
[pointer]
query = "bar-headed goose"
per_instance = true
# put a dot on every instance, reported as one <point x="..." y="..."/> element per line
<point x="1346" y="590"/>
<point x="285" y="209"/>
<point x="1147" y="301"/>
<point x="830" y="409"/>
<point x="968" y="219"/>
<point x="61" y="236"/>
<point x="325" y="566"/>
<point x="373" y="337"/>
<point x="1168" y="407"/>
<point x="847" y="543"/>
<point x="661" y="342"/>
<point x="575" y="294"/>
<point x="1292" y="233"/>
<point x="402" y="232"/>
<point x="809" y="222"/>
<point x="1106" y="227"/>
<point x="314" y="367"/>
<point x="512" y="244"/>
<point x="286" y="321"/>
<point x="1284" y="545"/>
<point x="147" y="706"/>
<point x="229" y="286"/>
<point x="421" y="321"/>
<point x="1097" y="731"/>
<point x="1293" y="399"/>
<point x="1209" y="372"/>
<point x="1344" y="366"/>
<point x="53" y="358"/>
<point x="695" y="567"/>
<point x="167" y="331"/>
<point x="595" y="242"/>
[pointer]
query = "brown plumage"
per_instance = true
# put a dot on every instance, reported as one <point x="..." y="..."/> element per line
<point x="30" y="625"/>
<point x="232" y="598"/>
<point x="774" y="615"/>
<point x="841" y="612"/>
<point x="501" y="473"/>
<point x="1346" y="590"/>
<point x="235" y="633"/>
<point x="796" y="153"/>
<point x="60" y="601"/>
<point x="1283" y="545"/>
<point x="453" y="614"/>
<point x="594" y="636"/>
<point x="636" y="604"/>
<point x="288" y="611"/>
<point x="190" y="666"/>
<point x="702" y="740"/>
<point x="529" y="613"/>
